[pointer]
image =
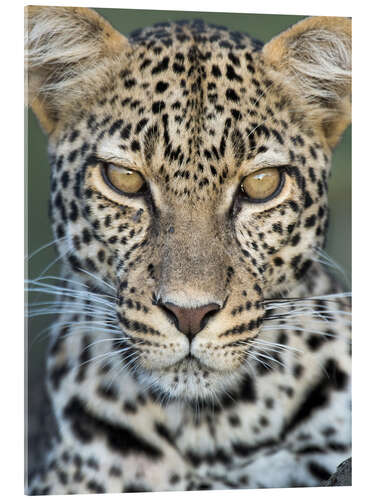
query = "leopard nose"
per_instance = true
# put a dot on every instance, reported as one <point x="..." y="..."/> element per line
<point x="191" y="321"/>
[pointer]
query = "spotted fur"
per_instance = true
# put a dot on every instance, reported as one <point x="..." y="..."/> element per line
<point x="260" y="396"/>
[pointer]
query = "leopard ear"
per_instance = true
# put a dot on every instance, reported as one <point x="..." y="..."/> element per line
<point x="313" y="58"/>
<point x="65" y="46"/>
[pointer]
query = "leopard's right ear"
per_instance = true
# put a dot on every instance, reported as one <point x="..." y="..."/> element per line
<point x="68" y="50"/>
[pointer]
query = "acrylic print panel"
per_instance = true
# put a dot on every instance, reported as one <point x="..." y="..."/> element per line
<point x="188" y="315"/>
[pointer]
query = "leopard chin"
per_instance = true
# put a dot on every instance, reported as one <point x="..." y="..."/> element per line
<point x="189" y="380"/>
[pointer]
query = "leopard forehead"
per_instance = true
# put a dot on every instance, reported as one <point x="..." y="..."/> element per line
<point x="191" y="107"/>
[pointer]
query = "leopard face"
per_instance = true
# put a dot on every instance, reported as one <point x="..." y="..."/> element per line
<point x="150" y="176"/>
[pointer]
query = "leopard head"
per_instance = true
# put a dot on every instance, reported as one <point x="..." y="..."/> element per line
<point x="189" y="172"/>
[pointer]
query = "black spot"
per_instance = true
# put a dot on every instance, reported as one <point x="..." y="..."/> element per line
<point x="134" y="488"/>
<point x="215" y="71"/>
<point x="338" y="378"/>
<point x="58" y="373"/>
<point x="161" y="87"/>
<point x="308" y="200"/>
<point x="74" y="135"/>
<point x="95" y="487"/>
<point x="135" y="146"/>
<point x="115" y="471"/>
<point x="72" y="156"/>
<point x="157" y="107"/>
<point x="244" y="449"/>
<point x="234" y="420"/>
<point x="145" y="63"/>
<point x="234" y="59"/>
<point x="231" y="95"/>
<point x="163" y="432"/>
<point x="232" y="75"/>
<point x="277" y="136"/>
<point x="298" y="370"/>
<point x="178" y="68"/>
<point x="65" y="179"/>
<point x="246" y="391"/>
<point x="313" y="152"/>
<point x="174" y="479"/>
<point x="293" y="205"/>
<point x="115" y="126"/>
<point x="125" y="132"/>
<point x="107" y="392"/>
<point x="296" y="239"/>
<point x="315" y="342"/>
<point x="120" y="439"/>
<point x="328" y="431"/>
<point x="84" y="358"/>
<point x="310" y="221"/>
<point x="92" y="463"/>
<point x="318" y="471"/>
<point x="333" y="378"/>
<point x="269" y="403"/>
<point x="140" y="125"/>
<point x="162" y="66"/>
<point x="129" y="407"/>
<point x="129" y="83"/>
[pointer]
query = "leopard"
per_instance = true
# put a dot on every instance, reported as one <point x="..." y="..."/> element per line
<point x="199" y="342"/>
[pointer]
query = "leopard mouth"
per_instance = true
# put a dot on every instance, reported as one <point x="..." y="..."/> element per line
<point x="191" y="364"/>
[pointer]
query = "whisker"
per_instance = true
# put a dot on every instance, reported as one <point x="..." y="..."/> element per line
<point x="253" y="356"/>
<point x="105" y="355"/>
<point x="55" y="261"/>
<point x="290" y="327"/>
<point x="98" y="279"/>
<point x="326" y="297"/>
<point x="43" y="247"/>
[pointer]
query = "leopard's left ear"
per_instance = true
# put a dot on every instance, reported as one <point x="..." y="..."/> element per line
<point x="313" y="58"/>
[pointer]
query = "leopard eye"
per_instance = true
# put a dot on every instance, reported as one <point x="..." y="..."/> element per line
<point x="122" y="180"/>
<point x="263" y="185"/>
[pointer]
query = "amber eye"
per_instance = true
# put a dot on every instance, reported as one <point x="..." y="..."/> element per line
<point x="122" y="180"/>
<point x="263" y="185"/>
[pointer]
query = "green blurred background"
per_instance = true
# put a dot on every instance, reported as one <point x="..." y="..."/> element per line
<point x="259" y="26"/>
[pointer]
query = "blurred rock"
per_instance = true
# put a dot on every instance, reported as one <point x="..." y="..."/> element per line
<point x="342" y="476"/>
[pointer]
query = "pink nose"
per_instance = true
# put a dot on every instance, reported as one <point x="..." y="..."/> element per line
<point x="190" y="321"/>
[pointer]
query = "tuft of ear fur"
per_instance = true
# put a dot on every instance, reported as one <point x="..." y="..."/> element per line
<point x="313" y="58"/>
<point x="64" y="47"/>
